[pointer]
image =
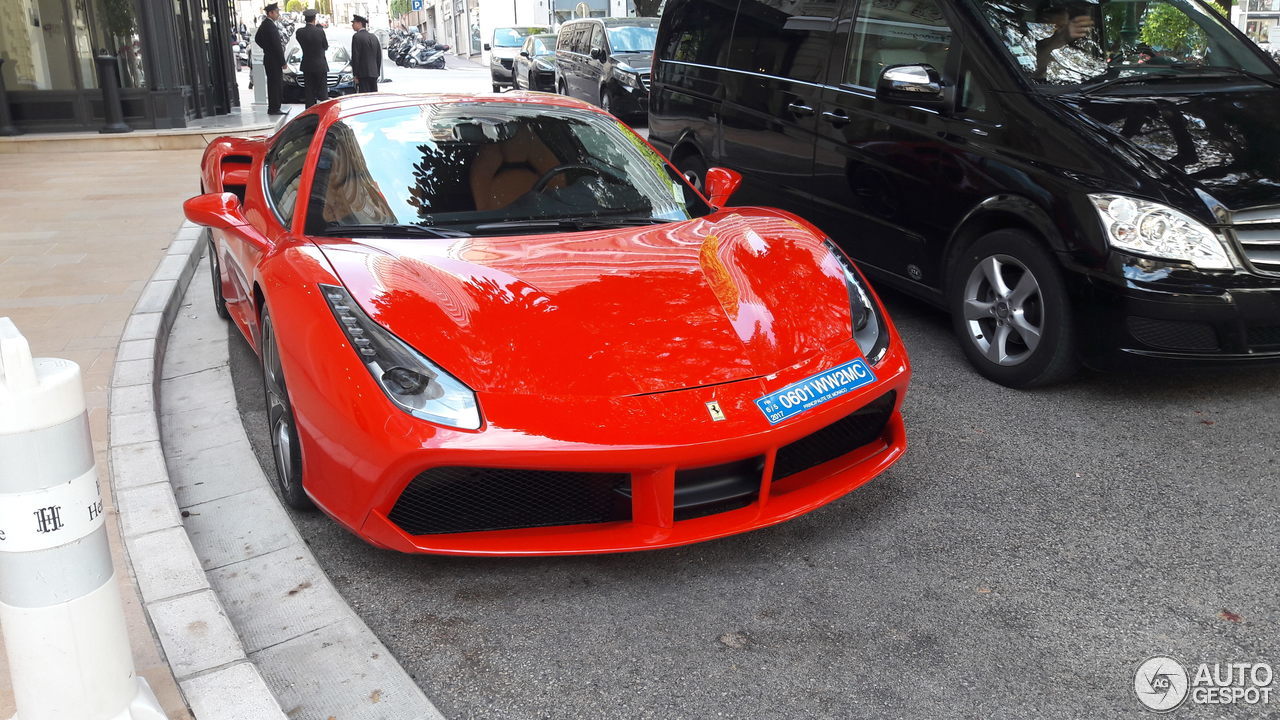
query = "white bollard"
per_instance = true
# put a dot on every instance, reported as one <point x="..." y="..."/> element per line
<point x="60" y="610"/>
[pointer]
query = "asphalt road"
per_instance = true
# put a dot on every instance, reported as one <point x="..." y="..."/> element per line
<point x="1030" y="550"/>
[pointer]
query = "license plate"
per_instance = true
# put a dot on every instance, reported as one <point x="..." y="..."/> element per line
<point x="815" y="390"/>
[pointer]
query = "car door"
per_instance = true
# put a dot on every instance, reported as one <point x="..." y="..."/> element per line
<point x="281" y="180"/>
<point x="581" y="37"/>
<point x="880" y="168"/>
<point x="775" y="64"/>
<point x="593" y="66"/>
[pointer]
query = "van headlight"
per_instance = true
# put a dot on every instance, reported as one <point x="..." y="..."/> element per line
<point x="1159" y="231"/>
<point x="867" y="325"/>
<point x="414" y="383"/>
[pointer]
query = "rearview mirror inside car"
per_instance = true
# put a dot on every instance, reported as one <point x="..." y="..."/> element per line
<point x="910" y="85"/>
<point x="721" y="184"/>
<point x="215" y="210"/>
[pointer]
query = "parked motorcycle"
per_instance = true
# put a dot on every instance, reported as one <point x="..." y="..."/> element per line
<point x="426" y="55"/>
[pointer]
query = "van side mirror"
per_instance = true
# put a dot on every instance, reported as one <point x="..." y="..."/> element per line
<point x="597" y="54"/>
<point x="910" y="85"/>
<point x="215" y="210"/>
<point x="487" y="47"/>
<point x="524" y="53"/>
<point x="720" y="184"/>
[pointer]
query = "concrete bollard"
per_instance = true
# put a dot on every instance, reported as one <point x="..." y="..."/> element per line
<point x="60" y="609"/>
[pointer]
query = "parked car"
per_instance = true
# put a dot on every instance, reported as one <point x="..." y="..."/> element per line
<point x="606" y="61"/>
<point x="506" y="45"/>
<point x="339" y="77"/>
<point x="535" y="66"/>
<point x="1096" y="181"/>
<point x="500" y="326"/>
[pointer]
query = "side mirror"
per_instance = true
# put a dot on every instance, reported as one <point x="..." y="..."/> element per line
<point x="910" y="85"/>
<point x="719" y="185"/>
<point x="215" y="210"/>
<point x="597" y="54"/>
<point x="487" y="46"/>
<point x="524" y="53"/>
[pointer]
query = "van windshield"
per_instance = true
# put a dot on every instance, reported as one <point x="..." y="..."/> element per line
<point x="633" y="38"/>
<point x="1092" y="42"/>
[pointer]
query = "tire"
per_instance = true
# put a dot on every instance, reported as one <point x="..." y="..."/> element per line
<point x="215" y="275"/>
<point x="497" y="87"/>
<point x="530" y="81"/>
<point x="1010" y="310"/>
<point x="606" y="101"/>
<point x="693" y="167"/>
<point x="281" y="426"/>
<point x="561" y="89"/>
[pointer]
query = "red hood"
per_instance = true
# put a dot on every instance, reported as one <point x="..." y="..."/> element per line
<point x="616" y="312"/>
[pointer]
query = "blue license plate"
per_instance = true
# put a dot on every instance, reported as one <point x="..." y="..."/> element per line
<point x="815" y="390"/>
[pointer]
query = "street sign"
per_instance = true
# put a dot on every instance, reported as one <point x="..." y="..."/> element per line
<point x="417" y="5"/>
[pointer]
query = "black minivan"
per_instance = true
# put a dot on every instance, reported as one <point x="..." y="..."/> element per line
<point x="605" y="61"/>
<point x="1093" y="180"/>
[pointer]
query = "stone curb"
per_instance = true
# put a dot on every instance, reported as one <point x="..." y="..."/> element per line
<point x="200" y="644"/>
<point x="138" y="140"/>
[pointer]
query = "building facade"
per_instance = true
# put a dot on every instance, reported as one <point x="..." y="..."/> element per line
<point x="173" y="60"/>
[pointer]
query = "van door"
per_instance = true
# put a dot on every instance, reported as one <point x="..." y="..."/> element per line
<point x="593" y="69"/>
<point x="878" y="169"/>
<point x="776" y="61"/>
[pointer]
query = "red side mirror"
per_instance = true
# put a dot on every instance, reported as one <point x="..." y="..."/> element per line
<point x="215" y="210"/>
<point x="720" y="184"/>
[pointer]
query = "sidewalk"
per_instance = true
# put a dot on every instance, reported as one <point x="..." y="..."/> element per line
<point x="80" y="234"/>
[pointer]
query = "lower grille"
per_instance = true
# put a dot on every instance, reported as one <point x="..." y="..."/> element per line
<point x="469" y="499"/>
<point x="841" y="437"/>
<point x="1173" y="334"/>
<point x="1264" y="338"/>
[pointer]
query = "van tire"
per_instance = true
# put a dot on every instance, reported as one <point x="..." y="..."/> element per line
<point x="1020" y="333"/>
<point x="690" y="163"/>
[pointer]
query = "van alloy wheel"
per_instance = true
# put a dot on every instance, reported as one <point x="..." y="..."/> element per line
<point x="1003" y="309"/>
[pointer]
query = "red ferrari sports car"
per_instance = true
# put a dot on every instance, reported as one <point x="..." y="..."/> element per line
<point x="505" y="325"/>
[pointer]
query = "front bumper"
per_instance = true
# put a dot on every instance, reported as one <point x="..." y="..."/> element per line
<point x="359" y="467"/>
<point x="1140" y="310"/>
<point x="500" y="72"/>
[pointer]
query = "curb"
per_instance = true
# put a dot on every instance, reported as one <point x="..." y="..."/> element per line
<point x="174" y="139"/>
<point x="200" y="645"/>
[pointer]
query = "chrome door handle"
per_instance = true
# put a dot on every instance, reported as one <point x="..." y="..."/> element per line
<point x="799" y="109"/>
<point x="837" y="119"/>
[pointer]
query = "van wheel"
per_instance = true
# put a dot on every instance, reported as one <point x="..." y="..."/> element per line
<point x="1010" y="311"/>
<point x="693" y="167"/>
<point x="561" y="89"/>
<point x="497" y="87"/>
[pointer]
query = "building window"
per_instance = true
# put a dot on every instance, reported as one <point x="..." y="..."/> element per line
<point x="50" y="44"/>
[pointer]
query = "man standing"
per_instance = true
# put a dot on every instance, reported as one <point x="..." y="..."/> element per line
<point x="366" y="56"/>
<point x="315" y="66"/>
<point x="268" y="38"/>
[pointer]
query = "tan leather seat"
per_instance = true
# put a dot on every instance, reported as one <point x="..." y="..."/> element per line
<point x="503" y="171"/>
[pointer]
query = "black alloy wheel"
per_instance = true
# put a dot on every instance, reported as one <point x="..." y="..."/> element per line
<point x="215" y="274"/>
<point x="281" y="425"/>
<point x="1010" y="310"/>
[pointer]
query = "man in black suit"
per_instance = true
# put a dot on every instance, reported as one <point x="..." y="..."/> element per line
<point x="366" y="56"/>
<point x="268" y="38"/>
<point x="315" y="66"/>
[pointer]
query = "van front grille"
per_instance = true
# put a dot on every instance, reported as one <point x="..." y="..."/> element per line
<point x="1258" y="233"/>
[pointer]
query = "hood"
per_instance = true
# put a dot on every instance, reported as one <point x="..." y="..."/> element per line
<point x="610" y="313"/>
<point x="1225" y="143"/>
<point x="640" y="61"/>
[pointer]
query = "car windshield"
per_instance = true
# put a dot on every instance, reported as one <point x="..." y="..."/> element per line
<point x="336" y="54"/>
<point x="633" y="38"/>
<point x="513" y="37"/>
<point x="473" y="166"/>
<point x="543" y="45"/>
<point x="1084" y="42"/>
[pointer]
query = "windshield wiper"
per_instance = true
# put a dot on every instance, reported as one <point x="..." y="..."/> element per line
<point x="573" y="223"/>
<point x="1097" y="85"/>
<point x="390" y="229"/>
<point x="1274" y="82"/>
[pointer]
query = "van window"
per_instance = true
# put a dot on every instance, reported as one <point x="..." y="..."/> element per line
<point x="696" y="31"/>
<point x="597" y="36"/>
<point x="896" y="32"/>
<point x="580" y="36"/>
<point x="783" y="38"/>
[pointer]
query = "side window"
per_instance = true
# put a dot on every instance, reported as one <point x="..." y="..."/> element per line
<point x="973" y="96"/>
<point x="580" y="35"/>
<point x="896" y="32"/>
<point x="597" y="36"/>
<point x="783" y="37"/>
<point x="696" y="31"/>
<point x="283" y="166"/>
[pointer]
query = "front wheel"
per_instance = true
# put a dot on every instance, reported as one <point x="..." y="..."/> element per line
<point x="215" y="274"/>
<point x="694" y="169"/>
<point x="281" y="425"/>
<point x="497" y="87"/>
<point x="1010" y="310"/>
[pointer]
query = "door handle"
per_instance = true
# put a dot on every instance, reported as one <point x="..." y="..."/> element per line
<point x="799" y="109"/>
<point x="837" y="118"/>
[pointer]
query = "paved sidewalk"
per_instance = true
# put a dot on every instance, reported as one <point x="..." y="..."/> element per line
<point x="80" y="234"/>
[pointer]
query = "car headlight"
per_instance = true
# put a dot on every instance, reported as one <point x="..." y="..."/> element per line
<point x="867" y="324"/>
<point x="412" y="382"/>
<point x="1156" y="230"/>
<point x="345" y="77"/>
<point x="630" y="79"/>
<point x="543" y="65"/>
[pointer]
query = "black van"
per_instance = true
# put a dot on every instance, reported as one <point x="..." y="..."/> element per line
<point x="606" y="61"/>
<point x="1071" y="179"/>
